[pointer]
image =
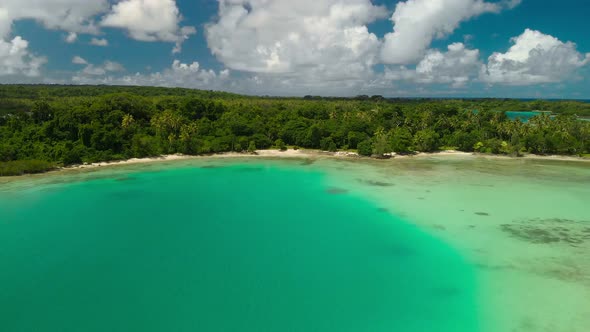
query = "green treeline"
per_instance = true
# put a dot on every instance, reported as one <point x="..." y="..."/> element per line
<point x="20" y="167"/>
<point x="44" y="126"/>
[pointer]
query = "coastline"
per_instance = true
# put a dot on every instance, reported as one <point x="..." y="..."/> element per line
<point x="302" y="154"/>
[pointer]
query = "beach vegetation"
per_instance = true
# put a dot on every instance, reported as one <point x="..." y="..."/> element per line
<point x="280" y="144"/>
<point x="365" y="148"/>
<point x="252" y="147"/>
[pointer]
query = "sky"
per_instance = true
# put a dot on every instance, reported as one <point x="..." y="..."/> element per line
<point x="407" y="48"/>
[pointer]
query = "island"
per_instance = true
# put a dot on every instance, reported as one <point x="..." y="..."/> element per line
<point x="44" y="127"/>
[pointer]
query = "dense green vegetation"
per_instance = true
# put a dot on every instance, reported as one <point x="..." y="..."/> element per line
<point x="20" y="167"/>
<point x="41" y="126"/>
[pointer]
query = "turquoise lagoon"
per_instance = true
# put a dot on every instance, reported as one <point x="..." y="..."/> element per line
<point x="242" y="247"/>
<point x="524" y="116"/>
<point x="321" y="244"/>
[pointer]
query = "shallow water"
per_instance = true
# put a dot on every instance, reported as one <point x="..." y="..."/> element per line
<point x="523" y="224"/>
<point x="222" y="246"/>
<point x="418" y="244"/>
<point x="523" y="116"/>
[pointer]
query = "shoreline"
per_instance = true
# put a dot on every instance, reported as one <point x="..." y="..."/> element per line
<point x="303" y="154"/>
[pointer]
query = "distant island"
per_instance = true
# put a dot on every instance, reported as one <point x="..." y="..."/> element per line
<point x="47" y="126"/>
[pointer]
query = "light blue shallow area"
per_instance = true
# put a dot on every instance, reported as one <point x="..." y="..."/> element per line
<point x="240" y="248"/>
<point x="522" y="116"/>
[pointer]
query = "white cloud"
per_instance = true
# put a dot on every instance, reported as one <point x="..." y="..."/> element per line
<point x="534" y="58"/>
<point x="305" y="41"/>
<point x="457" y="66"/>
<point x="92" y="70"/>
<point x="74" y="16"/>
<point x="71" y="37"/>
<point x="185" y="33"/>
<point x="192" y="75"/>
<point x="15" y="58"/>
<point x="79" y="60"/>
<point x="112" y="66"/>
<point x="512" y="3"/>
<point x="418" y="22"/>
<point x="101" y="70"/>
<point x="99" y="42"/>
<point x="67" y="15"/>
<point x="179" y="74"/>
<point x="149" y="20"/>
<point x="5" y="23"/>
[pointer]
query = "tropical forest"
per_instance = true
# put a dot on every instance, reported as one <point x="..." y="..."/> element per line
<point x="47" y="126"/>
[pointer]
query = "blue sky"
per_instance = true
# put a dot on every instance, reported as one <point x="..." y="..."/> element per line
<point x="470" y="48"/>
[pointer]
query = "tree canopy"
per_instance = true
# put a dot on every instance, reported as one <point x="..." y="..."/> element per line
<point x="42" y="126"/>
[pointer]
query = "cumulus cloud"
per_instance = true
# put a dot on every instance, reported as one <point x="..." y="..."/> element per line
<point x="112" y="66"/>
<point x="193" y="75"/>
<point x="418" y="22"/>
<point x="67" y="15"/>
<point x="512" y="3"/>
<point x="149" y="20"/>
<point x="99" y="42"/>
<point x="5" y="23"/>
<point x="534" y="58"/>
<point x="179" y="74"/>
<point x="71" y="37"/>
<point x="308" y="40"/>
<point x="457" y="66"/>
<point x="15" y="58"/>
<point x="79" y="60"/>
<point x="73" y="16"/>
<point x="100" y="70"/>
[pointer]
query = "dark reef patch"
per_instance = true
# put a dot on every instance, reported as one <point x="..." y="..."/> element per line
<point x="125" y="179"/>
<point x="336" y="191"/>
<point x="211" y="167"/>
<point x="552" y="230"/>
<point x="250" y="169"/>
<point x="377" y="183"/>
